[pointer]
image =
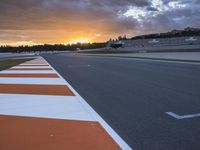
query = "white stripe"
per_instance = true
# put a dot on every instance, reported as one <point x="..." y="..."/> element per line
<point x="123" y="145"/>
<point x="27" y="71"/>
<point x="183" y="116"/>
<point x="33" y="64"/>
<point x="40" y="81"/>
<point x="173" y="115"/>
<point x="23" y="67"/>
<point x="58" y="107"/>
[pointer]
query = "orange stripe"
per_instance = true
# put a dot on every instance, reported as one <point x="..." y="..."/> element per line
<point x="28" y="133"/>
<point x="30" y="69"/>
<point x="29" y="75"/>
<point x="61" y="90"/>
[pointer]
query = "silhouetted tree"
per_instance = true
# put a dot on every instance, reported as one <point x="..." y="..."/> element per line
<point x="174" y="33"/>
<point x="120" y="38"/>
<point x="124" y="37"/>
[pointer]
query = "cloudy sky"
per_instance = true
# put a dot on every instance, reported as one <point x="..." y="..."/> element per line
<point x="68" y="21"/>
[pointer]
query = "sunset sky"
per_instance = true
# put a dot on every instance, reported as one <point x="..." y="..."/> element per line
<point x="29" y="22"/>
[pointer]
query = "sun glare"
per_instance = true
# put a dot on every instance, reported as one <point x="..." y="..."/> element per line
<point x="82" y="41"/>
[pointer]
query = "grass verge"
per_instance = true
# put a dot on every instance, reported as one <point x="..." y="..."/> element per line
<point x="6" y="64"/>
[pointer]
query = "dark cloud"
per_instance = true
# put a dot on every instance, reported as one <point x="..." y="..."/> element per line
<point x="168" y="15"/>
<point x="30" y="19"/>
<point x="152" y="9"/>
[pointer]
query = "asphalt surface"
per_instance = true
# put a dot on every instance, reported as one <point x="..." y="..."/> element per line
<point x="133" y="96"/>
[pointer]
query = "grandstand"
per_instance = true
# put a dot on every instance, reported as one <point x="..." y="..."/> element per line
<point x="157" y="44"/>
<point x="162" y="42"/>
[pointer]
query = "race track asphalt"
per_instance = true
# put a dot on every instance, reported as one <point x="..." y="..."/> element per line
<point x="133" y="97"/>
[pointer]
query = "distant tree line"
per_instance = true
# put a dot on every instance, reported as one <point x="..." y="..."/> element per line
<point x="56" y="47"/>
<point x="174" y="33"/>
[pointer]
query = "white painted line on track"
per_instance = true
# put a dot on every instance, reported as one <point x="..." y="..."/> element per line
<point x="39" y="81"/>
<point x="21" y="67"/>
<point x="27" y="72"/>
<point x="123" y="145"/>
<point x="43" y="106"/>
<point x="32" y="64"/>
<point x="180" y="117"/>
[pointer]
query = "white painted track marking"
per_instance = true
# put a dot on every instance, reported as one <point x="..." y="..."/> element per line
<point x="27" y="72"/>
<point x="39" y="81"/>
<point x="32" y="67"/>
<point x="32" y="64"/>
<point x="123" y="145"/>
<point x="179" y="117"/>
<point x="43" y="106"/>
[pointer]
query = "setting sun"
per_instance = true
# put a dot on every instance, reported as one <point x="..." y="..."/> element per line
<point x="79" y="41"/>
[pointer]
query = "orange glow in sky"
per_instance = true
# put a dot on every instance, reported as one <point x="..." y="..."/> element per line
<point x="79" y="41"/>
<point x="32" y="22"/>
